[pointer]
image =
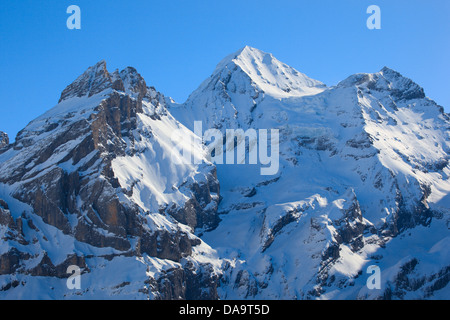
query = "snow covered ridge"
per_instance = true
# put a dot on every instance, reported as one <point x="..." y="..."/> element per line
<point x="271" y="75"/>
<point x="361" y="181"/>
<point x="220" y="147"/>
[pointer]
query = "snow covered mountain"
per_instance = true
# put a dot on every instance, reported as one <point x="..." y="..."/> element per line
<point x="91" y="183"/>
<point x="363" y="180"/>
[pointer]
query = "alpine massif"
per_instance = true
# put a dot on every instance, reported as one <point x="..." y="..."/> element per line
<point x="363" y="181"/>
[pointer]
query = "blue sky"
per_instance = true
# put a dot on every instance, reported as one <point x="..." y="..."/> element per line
<point x="175" y="45"/>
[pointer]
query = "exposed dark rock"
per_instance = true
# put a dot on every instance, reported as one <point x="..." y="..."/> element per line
<point x="286" y="219"/>
<point x="4" y="140"/>
<point x="407" y="281"/>
<point x="194" y="212"/>
<point x="351" y="226"/>
<point x="201" y="285"/>
<point x="407" y="216"/>
<point x="12" y="260"/>
<point x="92" y="81"/>
<point x="46" y="267"/>
<point x="172" y="285"/>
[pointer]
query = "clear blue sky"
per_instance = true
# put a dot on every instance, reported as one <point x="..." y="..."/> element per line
<point x="175" y="45"/>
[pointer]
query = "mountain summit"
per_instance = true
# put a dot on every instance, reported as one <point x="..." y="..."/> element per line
<point x="4" y="140"/>
<point x="268" y="74"/>
<point x="248" y="75"/>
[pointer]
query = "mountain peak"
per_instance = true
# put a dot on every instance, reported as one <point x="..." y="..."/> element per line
<point x="248" y="51"/>
<point x="388" y="70"/>
<point x="387" y="79"/>
<point x="132" y="81"/>
<point x="97" y="78"/>
<point x="269" y="74"/>
<point x="94" y="80"/>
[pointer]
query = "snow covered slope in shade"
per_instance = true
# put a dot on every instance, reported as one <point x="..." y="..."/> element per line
<point x="361" y="164"/>
<point x="92" y="183"/>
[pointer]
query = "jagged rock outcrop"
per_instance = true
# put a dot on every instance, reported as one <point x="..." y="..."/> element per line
<point x="4" y="140"/>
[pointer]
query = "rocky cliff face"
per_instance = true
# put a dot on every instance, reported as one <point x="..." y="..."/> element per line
<point x="4" y="140"/>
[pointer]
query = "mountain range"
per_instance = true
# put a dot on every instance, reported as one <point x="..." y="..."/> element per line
<point x="363" y="181"/>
